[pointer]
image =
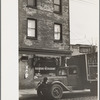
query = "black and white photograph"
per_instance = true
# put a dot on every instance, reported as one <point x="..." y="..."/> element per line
<point x="57" y="60"/>
<point x="57" y="47"/>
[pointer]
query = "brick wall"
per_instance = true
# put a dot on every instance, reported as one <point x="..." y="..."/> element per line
<point x="45" y="25"/>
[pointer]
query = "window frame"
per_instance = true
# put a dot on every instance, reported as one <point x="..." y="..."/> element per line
<point x="35" y="37"/>
<point x="60" y="7"/>
<point x="60" y="40"/>
<point x="34" y="5"/>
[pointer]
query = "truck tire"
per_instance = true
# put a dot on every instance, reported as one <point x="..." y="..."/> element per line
<point x="56" y="91"/>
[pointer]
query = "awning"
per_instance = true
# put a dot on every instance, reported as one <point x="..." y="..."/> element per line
<point x="45" y="52"/>
<point x="46" y="55"/>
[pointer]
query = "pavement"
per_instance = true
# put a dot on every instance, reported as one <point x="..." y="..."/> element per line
<point x="31" y="94"/>
<point x="23" y="93"/>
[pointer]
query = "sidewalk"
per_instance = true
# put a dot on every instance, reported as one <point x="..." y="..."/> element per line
<point x="23" y="93"/>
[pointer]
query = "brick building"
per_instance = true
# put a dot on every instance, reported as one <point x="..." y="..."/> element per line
<point x="44" y="38"/>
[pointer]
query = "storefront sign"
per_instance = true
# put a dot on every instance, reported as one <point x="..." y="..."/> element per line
<point x="45" y="68"/>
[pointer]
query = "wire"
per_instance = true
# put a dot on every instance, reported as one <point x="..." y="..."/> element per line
<point x="85" y="2"/>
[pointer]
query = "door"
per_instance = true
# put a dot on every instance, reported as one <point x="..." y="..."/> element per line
<point x="74" y="76"/>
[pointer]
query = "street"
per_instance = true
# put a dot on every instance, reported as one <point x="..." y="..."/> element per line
<point x="31" y="95"/>
<point x="82" y="97"/>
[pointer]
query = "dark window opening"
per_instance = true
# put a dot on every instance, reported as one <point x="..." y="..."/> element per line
<point x="31" y="3"/>
<point x="57" y="6"/>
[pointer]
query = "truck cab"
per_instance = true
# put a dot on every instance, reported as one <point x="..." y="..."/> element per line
<point x="66" y="80"/>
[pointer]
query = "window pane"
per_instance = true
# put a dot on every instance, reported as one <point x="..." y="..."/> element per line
<point x="57" y="28"/>
<point x="31" y="23"/>
<point x="31" y="2"/>
<point x="57" y="2"/>
<point x="56" y="8"/>
<point x="31" y="32"/>
<point x="57" y="36"/>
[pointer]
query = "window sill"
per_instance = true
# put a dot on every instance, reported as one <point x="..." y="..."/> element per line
<point x="58" y="41"/>
<point x="31" y="38"/>
<point x="60" y="13"/>
<point x="33" y="7"/>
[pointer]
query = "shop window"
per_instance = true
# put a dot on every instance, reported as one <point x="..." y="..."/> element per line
<point x="31" y="3"/>
<point x="57" y="6"/>
<point x="57" y="32"/>
<point x="31" y="29"/>
<point x="45" y="66"/>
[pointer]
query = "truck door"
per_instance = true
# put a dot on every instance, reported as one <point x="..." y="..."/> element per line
<point x="74" y="78"/>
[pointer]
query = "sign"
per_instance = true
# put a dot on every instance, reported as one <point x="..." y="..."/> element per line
<point x="85" y="49"/>
<point x="45" y="68"/>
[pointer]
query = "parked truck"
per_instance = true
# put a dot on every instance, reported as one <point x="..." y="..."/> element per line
<point x="79" y="76"/>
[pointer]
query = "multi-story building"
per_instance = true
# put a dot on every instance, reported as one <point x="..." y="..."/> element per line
<point x="44" y="38"/>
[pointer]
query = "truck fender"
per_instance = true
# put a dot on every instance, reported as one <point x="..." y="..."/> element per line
<point x="65" y="88"/>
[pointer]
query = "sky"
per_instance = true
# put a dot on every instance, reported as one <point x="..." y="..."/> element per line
<point x="84" y="22"/>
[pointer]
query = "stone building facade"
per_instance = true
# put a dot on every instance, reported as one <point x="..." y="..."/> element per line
<point x="44" y="38"/>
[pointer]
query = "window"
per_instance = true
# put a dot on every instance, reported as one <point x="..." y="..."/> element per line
<point x="45" y="66"/>
<point x="72" y="71"/>
<point x="57" y="32"/>
<point x="62" y="72"/>
<point x="85" y="49"/>
<point x="57" y="6"/>
<point x="31" y="28"/>
<point x="31" y="3"/>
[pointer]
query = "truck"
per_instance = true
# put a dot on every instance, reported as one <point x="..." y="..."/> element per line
<point x="79" y="76"/>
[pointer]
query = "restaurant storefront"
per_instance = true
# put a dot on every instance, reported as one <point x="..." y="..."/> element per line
<point x="34" y="63"/>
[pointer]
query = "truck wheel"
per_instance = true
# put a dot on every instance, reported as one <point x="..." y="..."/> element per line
<point x="56" y="91"/>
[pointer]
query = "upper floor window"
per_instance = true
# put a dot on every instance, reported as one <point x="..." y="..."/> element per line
<point x="57" y="6"/>
<point x="57" y="32"/>
<point x="31" y="3"/>
<point x="31" y="28"/>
